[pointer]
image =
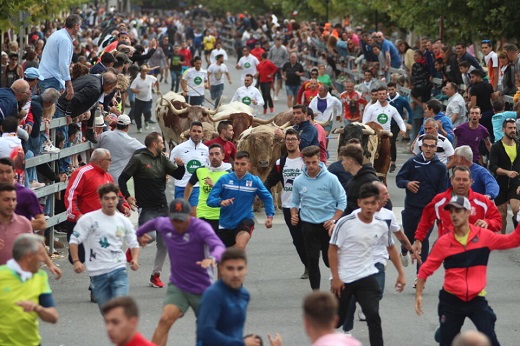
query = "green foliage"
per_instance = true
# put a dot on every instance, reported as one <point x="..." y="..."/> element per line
<point x="38" y="10"/>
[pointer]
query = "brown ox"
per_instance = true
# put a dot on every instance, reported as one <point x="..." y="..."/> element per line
<point x="375" y="142"/>
<point x="240" y="115"/>
<point x="175" y="116"/>
<point x="264" y="150"/>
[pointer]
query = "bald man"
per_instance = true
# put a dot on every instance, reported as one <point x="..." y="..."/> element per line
<point x="19" y="92"/>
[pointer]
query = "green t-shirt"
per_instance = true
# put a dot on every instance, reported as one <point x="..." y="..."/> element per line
<point x="325" y="80"/>
<point x="203" y="211"/>
<point x="19" y="327"/>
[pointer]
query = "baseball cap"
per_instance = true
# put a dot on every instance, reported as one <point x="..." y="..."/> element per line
<point x="123" y="119"/>
<point x="459" y="202"/>
<point x="180" y="209"/>
<point x="32" y="73"/>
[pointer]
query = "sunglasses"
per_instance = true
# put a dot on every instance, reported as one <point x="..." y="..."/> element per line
<point x="486" y="41"/>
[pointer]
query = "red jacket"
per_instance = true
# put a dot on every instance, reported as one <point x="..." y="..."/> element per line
<point x="465" y="267"/>
<point x="266" y="70"/>
<point x="482" y="208"/>
<point x="81" y="195"/>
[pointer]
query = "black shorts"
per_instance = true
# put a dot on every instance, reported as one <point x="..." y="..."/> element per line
<point x="506" y="194"/>
<point x="212" y="223"/>
<point x="228" y="236"/>
<point x="207" y="52"/>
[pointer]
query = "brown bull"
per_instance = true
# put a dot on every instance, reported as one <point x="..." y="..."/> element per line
<point x="175" y="116"/>
<point x="240" y="115"/>
<point x="264" y="149"/>
<point x="375" y="142"/>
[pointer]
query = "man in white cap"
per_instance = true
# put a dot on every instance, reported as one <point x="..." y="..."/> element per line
<point x="465" y="252"/>
<point x="32" y="76"/>
<point x="120" y="144"/>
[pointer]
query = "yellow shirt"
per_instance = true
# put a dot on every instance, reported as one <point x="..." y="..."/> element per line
<point x="510" y="151"/>
<point x="19" y="327"/>
<point x="209" y="42"/>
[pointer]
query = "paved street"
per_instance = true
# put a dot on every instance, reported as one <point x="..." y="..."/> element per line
<point x="276" y="290"/>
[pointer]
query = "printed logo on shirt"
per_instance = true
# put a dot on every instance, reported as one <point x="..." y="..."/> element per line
<point x="197" y="80"/>
<point x="186" y="237"/>
<point x="249" y="183"/>
<point x="247" y="65"/>
<point x="382" y="118"/>
<point x="193" y="165"/>
<point x="246" y="100"/>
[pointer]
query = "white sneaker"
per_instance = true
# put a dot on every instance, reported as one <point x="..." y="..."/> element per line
<point x="50" y="148"/>
<point x="361" y="315"/>
<point x="275" y="98"/>
<point x="36" y="185"/>
<point x="348" y="332"/>
<point x="405" y="260"/>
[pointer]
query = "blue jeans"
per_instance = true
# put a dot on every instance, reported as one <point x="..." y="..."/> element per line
<point x="50" y="83"/>
<point x="147" y="214"/>
<point x="216" y="93"/>
<point x="176" y="80"/>
<point x="194" y="197"/>
<point x="196" y="100"/>
<point x="380" y="278"/>
<point x="30" y="173"/>
<point x="110" y="285"/>
<point x="292" y="90"/>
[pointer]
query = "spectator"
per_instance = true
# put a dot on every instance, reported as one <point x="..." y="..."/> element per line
<point x="12" y="71"/>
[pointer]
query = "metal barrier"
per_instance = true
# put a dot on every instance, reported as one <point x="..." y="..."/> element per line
<point x="52" y="188"/>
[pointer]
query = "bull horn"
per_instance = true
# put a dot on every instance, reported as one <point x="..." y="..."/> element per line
<point x="264" y="122"/>
<point x="217" y="119"/>
<point x="368" y="132"/>
<point x="177" y="111"/>
<point x="210" y="111"/>
<point x="286" y="125"/>
<point x="388" y="133"/>
<point x="327" y="122"/>
<point x="339" y="130"/>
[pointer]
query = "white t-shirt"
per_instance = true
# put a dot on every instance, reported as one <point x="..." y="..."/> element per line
<point x="103" y="235"/>
<point x="248" y="65"/>
<point x="381" y="252"/>
<point x="144" y="86"/>
<point x="216" y="74"/>
<point x="491" y="60"/>
<point x="291" y="169"/>
<point x="357" y="242"/>
<point x="383" y="116"/>
<point x="444" y="147"/>
<point x="195" y="81"/>
<point x="193" y="156"/>
<point x="246" y="95"/>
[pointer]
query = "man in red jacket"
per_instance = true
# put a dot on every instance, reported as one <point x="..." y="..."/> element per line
<point x="465" y="252"/>
<point x="81" y="195"/>
<point x="483" y="214"/>
<point x="266" y="71"/>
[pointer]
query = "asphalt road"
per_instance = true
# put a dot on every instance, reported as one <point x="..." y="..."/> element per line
<point x="276" y="290"/>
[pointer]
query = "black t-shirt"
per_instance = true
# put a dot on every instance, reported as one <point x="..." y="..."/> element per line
<point x="482" y="90"/>
<point x="176" y="62"/>
<point x="290" y="73"/>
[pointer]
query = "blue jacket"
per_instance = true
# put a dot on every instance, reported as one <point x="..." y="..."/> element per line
<point x="483" y="181"/>
<point x="447" y="125"/>
<point x="222" y="315"/>
<point x="318" y="198"/>
<point x="401" y="103"/>
<point x="432" y="178"/>
<point x="8" y="103"/>
<point x="244" y="191"/>
<point x="308" y="134"/>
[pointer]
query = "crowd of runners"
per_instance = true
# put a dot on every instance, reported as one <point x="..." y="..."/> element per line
<point x="100" y="72"/>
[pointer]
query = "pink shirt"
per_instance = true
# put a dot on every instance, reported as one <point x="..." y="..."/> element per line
<point x="336" y="339"/>
<point x="322" y="139"/>
<point x="9" y="232"/>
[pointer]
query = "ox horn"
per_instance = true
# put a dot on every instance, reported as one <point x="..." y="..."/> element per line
<point x="217" y="119"/>
<point x="387" y="133"/>
<point x="208" y="111"/>
<point x="286" y="125"/>
<point x="327" y="122"/>
<point x="178" y="111"/>
<point x="339" y="130"/>
<point x="264" y="122"/>
<point x="368" y="131"/>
